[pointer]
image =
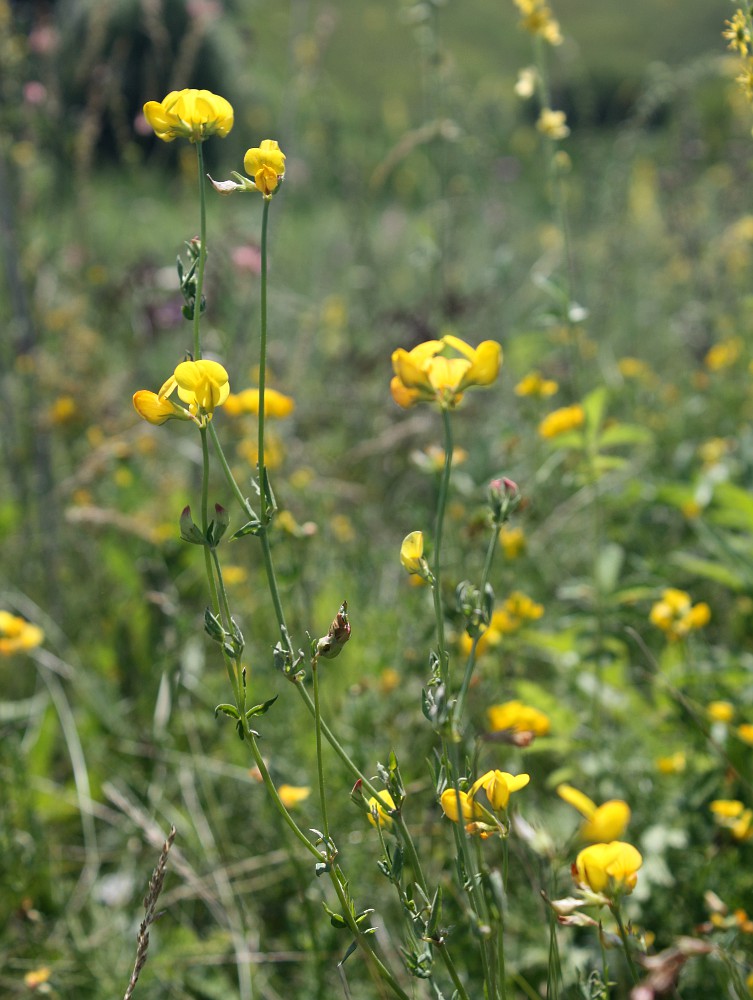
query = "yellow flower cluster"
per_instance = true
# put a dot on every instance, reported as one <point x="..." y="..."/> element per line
<point x="677" y="616"/>
<point x="604" y="823"/>
<point x="202" y="385"/>
<point x="276" y="404"/>
<point x="534" y="384"/>
<point x="189" y="114"/>
<point x="738" y="33"/>
<point x="538" y="20"/>
<point x="518" y="609"/>
<point x="497" y="786"/>
<point x="517" y="717"/>
<point x="608" y="868"/>
<point x="567" y="418"/>
<point x="733" y="815"/>
<point x="430" y="373"/>
<point x="17" y="635"/>
<point x="553" y="124"/>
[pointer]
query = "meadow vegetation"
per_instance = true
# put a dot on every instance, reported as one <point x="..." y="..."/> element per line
<point x="491" y="296"/>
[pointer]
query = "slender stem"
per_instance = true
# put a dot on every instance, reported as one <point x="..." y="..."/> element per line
<point x="444" y="484"/>
<point x="319" y="763"/>
<point x="205" y="520"/>
<point x="202" y="253"/>
<point x="272" y="789"/>
<point x="615" y="908"/>
<point x="604" y="963"/>
<point x="243" y="501"/>
<point x="263" y="362"/>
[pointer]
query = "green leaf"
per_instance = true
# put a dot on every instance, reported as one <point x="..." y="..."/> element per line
<point x="252" y="527"/>
<point x="261" y="709"/>
<point x="620" y="434"/>
<point x="230" y="710"/>
<point x="594" y="405"/>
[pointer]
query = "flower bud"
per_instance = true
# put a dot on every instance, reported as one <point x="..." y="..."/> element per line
<point x="331" y="644"/>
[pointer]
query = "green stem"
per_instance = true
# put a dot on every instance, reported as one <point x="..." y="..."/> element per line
<point x="237" y="493"/>
<point x="202" y="253"/>
<point x="615" y="908"/>
<point x="444" y="484"/>
<point x="265" y="514"/>
<point x="272" y="790"/>
<point x="604" y="963"/>
<point x="319" y="762"/>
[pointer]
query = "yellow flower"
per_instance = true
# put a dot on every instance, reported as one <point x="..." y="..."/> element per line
<point x="37" y="977"/>
<point x="745" y="732"/>
<point x="732" y="814"/>
<point x="292" y="795"/>
<point x="533" y="384"/>
<point x="603" y="823"/>
<point x="609" y="868"/>
<point x="673" y="764"/>
<point x="506" y="620"/>
<point x="470" y="810"/>
<point x="676" y="615"/>
<point x="412" y="553"/>
<point x="738" y="33"/>
<point x="276" y="404"/>
<point x="17" y="635"/>
<point x="634" y="368"/>
<point x="498" y="786"/>
<point x="155" y="409"/>
<point x="553" y="124"/>
<point x="724" y="354"/>
<point x="202" y="384"/>
<point x="721" y="711"/>
<point x="525" y="85"/>
<point x="379" y="809"/>
<point x="567" y="418"/>
<point x="428" y="374"/>
<point x="191" y="114"/>
<point x="512" y="540"/>
<point x="519" y="718"/>
<point x="266" y="166"/>
<point x="538" y="20"/>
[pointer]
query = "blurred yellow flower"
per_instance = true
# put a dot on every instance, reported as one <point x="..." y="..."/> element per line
<point x="518" y="609"/>
<point x="553" y="124"/>
<point x="609" y="868"/>
<point x="604" y="823"/>
<point x="733" y="815"/>
<point x="430" y="373"/>
<point x="389" y="680"/>
<point x="233" y="575"/>
<point x="538" y="20"/>
<point x="17" y="635"/>
<point x="635" y="368"/>
<point x="738" y="33"/>
<point x="724" y="354"/>
<point x="498" y="786"/>
<point x="190" y="114"/>
<point x="745" y="732"/>
<point x="293" y="795"/>
<point x="676" y="615"/>
<point x="63" y="410"/>
<point x="518" y="718"/>
<point x="525" y="85"/>
<point x="672" y="764"/>
<point x="266" y="166"/>
<point x="276" y="404"/>
<point x="379" y="809"/>
<point x="567" y="418"/>
<point x="512" y="540"/>
<point x="721" y="711"/>
<point x="534" y="384"/>
<point x="37" y="977"/>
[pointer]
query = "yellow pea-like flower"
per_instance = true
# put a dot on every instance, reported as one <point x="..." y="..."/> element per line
<point x="604" y="823"/>
<point x="498" y="786"/>
<point x="379" y="809"/>
<point x="265" y="164"/>
<point x="609" y="868"/>
<point x="439" y="371"/>
<point x="190" y="114"/>
<point x="156" y="409"/>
